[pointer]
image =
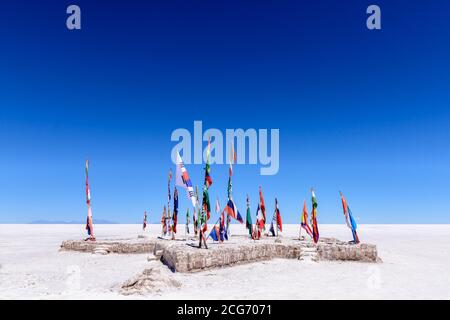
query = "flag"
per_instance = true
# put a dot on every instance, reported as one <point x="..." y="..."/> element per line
<point x="214" y="234"/>
<point x="278" y="216"/>
<point x="197" y="212"/>
<point x="195" y="223"/>
<point x="217" y="234"/>
<point x="277" y="219"/>
<point x="89" y="224"/>
<point x="232" y="211"/>
<point x="182" y="179"/>
<point x="187" y="221"/>
<point x="350" y="221"/>
<point x="175" y="210"/>
<point x="144" y="224"/>
<point x="248" y="222"/>
<point x="232" y="159"/>
<point x="169" y="197"/>
<point x="208" y="179"/>
<point x="164" y="222"/>
<point x="315" y="229"/>
<point x="223" y="232"/>
<point x="260" y="218"/>
<point x="206" y="206"/>
<point x="304" y="222"/>
<point x="262" y="208"/>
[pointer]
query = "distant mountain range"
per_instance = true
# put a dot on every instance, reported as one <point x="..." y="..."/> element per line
<point x="95" y="221"/>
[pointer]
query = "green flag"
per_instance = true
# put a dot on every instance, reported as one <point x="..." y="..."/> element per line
<point x="248" y="223"/>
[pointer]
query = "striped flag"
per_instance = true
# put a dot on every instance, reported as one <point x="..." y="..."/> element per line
<point x="262" y="207"/>
<point x="182" y="179"/>
<point x="232" y="211"/>
<point x="277" y="219"/>
<point x="260" y="218"/>
<point x="278" y="216"/>
<point x="304" y="223"/>
<point x="351" y="223"/>
<point x="315" y="228"/>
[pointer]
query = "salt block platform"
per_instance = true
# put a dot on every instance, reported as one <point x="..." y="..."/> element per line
<point x="184" y="256"/>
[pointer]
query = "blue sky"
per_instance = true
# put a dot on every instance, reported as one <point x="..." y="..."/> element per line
<point x="365" y="112"/>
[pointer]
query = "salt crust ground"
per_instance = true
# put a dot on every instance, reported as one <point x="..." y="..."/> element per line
<point x="416" y="259"/>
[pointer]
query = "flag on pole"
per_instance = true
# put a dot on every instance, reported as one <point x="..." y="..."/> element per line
<point x="278" y="216"/>
<point x="89" y="223"/>
<point x="196" y="215"/>
<point x="262" y="207"/>
<point x="259" y="218"/>
<point x="194" y="220"/>
<point x="248" y="222"/>
<point x="182" y="179"/>
<point x="315" y="228"/>
<point x="164" y="222"/>
<point x="277" y="219"/>
<point x="304" y="222"/>
<point x="350" y="221"/>
<point x="187" y="221"/>
<point x="217" y="234"/>
<point x="232" y="211"/>
<point x="232" y="159"/>
<point x="144" y="224"/>
<point x="175" y="210"/>
<point x="206" y="206"/>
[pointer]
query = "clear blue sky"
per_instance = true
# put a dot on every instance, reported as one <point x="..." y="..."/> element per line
<point x="365" y="112"/>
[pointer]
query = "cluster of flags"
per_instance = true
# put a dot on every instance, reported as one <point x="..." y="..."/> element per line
<point x="220" y="230"/>
<point x="313" y="230"/>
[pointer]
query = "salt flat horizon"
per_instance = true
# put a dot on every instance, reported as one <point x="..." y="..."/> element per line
<point x="415" y="266"/>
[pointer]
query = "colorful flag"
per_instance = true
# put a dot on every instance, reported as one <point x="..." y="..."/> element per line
<point x="351" y="223"/>
<point x="206" y="206"/>
<point x="197" y="212"/>
<point x="214" y="234"/>
<point x="248" y="223"/>
<point x="89" y="223"/>
<point x="217" y="234"/>
<point x="262" y="208"/>
<point x="175" y="210"/>
<point x="304" y="223"/>
<point x="315" y="228"/>
<point x="278" y="216"/>
<point x="277" y="219"/>
<point x="259" y="218"/>
<point x="208" y="179"/>
<point x="232" y="211"/>
<point x="182" y="179"/>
